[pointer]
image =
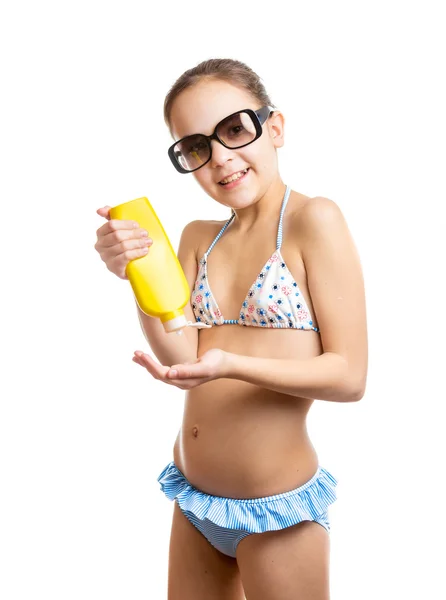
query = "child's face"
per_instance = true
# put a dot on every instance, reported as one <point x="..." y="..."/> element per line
<point x="198" y="109"/>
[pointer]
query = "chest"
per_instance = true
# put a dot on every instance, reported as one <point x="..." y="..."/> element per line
<point x="235" y="273"/>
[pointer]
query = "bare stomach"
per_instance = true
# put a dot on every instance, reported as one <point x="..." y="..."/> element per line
<point x="241" y="441"/>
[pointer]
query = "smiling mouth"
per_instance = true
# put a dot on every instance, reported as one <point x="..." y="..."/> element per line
<point x="233" y="177"/>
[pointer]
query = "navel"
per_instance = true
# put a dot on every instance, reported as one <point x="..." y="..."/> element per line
<point x="195" y="431"/>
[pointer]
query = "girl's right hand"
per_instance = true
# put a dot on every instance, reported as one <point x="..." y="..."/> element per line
<point x="119" y="242"/>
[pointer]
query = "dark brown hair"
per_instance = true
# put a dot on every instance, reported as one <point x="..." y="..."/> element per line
<point x="227" y="69"/>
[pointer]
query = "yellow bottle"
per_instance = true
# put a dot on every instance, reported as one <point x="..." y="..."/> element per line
<point x="157" y="279"/>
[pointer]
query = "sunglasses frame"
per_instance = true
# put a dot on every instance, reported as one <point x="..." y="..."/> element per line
<point x="258" y="118"/>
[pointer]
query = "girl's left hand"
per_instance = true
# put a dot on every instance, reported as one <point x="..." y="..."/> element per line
<point x="211" y="365"/>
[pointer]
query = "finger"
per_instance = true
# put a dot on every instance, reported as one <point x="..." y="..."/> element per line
<point x="188" y="371"/>
<point x="138" y="358"/>
<point x="123" y="241"/>
<point x="117" y="263"/>
<point x="117" y="258"/>
<point x="138" y="361"/>
<point x="185" y="384"/>
<point x="114" y="225"/>
<point x="142" y="364"/>
<point x="104" y="212"/>
<point x="154" y="368"/>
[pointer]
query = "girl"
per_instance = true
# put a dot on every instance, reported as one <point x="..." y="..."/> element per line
<point x="279" y="291"/>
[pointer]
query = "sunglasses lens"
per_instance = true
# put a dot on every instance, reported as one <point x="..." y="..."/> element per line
<point x="192" y="152"/>
<point x="237" y="130"/>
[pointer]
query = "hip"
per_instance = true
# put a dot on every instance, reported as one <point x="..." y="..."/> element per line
<point x="247" y="479"/>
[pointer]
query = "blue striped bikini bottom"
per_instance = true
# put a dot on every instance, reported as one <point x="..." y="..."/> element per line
<point x="226" y="521"/>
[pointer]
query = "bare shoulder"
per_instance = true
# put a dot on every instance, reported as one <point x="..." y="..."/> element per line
<point x="201" y="227"/>
<point x="316" y="216"/>
<point x="323" y="233"/>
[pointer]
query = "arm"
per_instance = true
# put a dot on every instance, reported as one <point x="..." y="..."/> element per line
<point x="337" y="291"/>
<point x="171" y="348"/>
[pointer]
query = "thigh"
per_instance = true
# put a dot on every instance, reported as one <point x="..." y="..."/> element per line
<point x="286" y="564"/>
<point x="197" y="571"/>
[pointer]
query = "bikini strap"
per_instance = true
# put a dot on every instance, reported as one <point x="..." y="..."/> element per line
<point x="222" y="230"/>
<point x="282" y="210"/>
<point x="231" y="218"/>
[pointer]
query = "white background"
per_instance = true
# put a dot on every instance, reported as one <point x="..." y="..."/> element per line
<point x="84" y="432"/>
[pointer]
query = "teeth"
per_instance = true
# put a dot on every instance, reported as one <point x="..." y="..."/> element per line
<point x="234" y="177"/>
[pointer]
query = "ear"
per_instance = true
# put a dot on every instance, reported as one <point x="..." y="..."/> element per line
<point x="276" y="124"/>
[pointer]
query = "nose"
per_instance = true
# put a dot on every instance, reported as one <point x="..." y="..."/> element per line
<point x="220" y="154"/>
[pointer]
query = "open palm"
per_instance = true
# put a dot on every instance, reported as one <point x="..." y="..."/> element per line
<point x="211" y="365"/>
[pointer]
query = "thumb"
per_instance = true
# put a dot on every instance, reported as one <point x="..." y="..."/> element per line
<point x="104" y="212"/>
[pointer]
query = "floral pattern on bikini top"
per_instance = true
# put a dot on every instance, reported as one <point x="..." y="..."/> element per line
<point x="273" y="300"/>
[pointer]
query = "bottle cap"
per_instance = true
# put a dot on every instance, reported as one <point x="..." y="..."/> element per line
<point x="175" y="324"/>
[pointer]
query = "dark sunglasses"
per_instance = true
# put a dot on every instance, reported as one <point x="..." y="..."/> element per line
<point x="235" y="131"/>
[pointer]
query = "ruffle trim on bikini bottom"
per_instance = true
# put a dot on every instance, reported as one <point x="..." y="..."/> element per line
<point x="255" y="515"/>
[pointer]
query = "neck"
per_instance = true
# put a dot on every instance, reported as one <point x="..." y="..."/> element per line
<point x="264" y="210"/>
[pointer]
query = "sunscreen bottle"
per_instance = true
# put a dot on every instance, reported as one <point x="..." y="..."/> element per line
<point x="157" y="279"/>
